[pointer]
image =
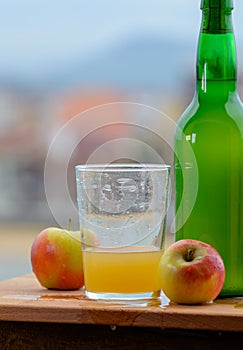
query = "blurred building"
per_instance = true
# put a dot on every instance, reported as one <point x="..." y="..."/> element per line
<point x="90" y="103"/>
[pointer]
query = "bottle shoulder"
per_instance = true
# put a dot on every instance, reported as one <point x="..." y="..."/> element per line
<point x="189" y="113"/>
<point x="212" y="111"/>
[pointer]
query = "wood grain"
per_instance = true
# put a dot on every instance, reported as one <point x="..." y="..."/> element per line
<point x="22" y="299"/>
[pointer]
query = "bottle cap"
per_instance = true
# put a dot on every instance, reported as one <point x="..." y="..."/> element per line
<point x="217" y="3"/>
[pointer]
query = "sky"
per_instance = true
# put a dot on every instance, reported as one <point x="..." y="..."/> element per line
<point x="44" y="31"/>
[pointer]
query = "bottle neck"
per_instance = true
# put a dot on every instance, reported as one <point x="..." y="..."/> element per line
<point x="217" y="18"/>
<point x="216" y="57"/>
<point x="216" y="92"/>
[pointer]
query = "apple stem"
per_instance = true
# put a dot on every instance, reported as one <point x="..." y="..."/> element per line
<point x="189" y="255"/>
<point x="69" y="224"/>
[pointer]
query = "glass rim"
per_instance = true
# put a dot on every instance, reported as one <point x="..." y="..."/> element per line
<point x="122" y="167"/>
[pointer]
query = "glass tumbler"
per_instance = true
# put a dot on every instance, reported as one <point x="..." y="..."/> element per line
<point x="122" y="211"/>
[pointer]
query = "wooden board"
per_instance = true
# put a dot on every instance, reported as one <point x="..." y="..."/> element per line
<point x="23" y="299"/>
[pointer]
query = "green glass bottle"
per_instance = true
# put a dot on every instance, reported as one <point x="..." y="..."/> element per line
<point x="209" y="148"/>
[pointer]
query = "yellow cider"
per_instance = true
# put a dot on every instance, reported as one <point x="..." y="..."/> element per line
<point x="126" y="270"/>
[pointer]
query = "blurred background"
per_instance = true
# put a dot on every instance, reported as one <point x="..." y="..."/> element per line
<point x="59" y="59"/>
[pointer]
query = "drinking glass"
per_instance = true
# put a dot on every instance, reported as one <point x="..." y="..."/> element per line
<point x="122" y="212"/>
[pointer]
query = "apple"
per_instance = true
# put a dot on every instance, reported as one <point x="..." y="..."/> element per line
<point x="191" y="272"/>
<point x="56" y="258"/>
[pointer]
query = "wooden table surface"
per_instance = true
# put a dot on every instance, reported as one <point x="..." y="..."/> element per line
<point x="27" y="308"/>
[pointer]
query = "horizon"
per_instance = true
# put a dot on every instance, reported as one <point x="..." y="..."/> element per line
<point x="43" y="35"/>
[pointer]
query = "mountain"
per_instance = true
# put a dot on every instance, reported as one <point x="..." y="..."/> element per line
<point x="137" y="62"/>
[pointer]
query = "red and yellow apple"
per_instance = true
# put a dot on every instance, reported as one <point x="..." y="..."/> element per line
<point x="56" y="258"/>
<point x="191" y="272"/>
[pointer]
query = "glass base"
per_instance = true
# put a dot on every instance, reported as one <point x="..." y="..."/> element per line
<point x="122" y="296"/>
